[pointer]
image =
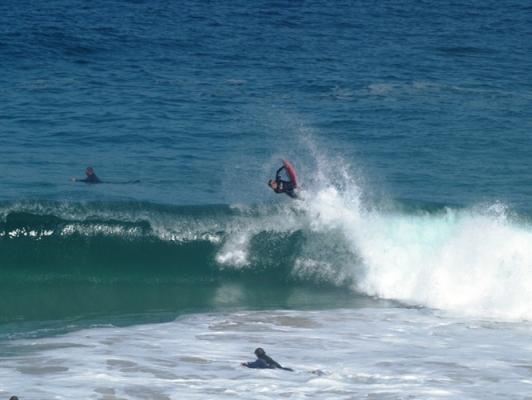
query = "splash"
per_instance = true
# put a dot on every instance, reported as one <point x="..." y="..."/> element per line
<point x="475" y="261"/>
<point x="472" y="261"/>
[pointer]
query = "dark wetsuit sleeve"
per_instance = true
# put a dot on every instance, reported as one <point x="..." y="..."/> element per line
<point x="287" y="188"/>
<point x="278" y="173"/>
<point x="258" y="363"/>
<point x="90" y="179"/>
<point x="270" y="361"/>
<point x="94" y="179"/>
<point x="288" y="185"/>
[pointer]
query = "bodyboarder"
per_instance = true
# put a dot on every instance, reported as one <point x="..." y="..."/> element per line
<point x="264" y="361"/>
<point x="279" y="185"/>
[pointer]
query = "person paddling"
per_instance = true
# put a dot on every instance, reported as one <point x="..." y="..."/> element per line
<point x="90" y="177"/>
<point x="264" y="361"/>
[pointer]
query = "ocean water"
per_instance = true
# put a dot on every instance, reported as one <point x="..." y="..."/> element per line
<point x="405" y="269"/>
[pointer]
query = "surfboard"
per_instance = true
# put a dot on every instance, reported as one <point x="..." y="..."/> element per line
<point x="291" y="172"/>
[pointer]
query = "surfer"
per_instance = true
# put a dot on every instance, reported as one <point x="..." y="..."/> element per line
<point x="281" y="186"/>
<point x="263" y="361"/>
<point x="91" y="177"/>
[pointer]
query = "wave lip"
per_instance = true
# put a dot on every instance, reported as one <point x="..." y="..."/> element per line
<point x="475" y="261"/>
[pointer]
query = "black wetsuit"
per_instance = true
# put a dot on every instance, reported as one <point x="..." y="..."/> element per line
<point x="286" y="187"/>
<point x="90" y="179"/>
<point x="266" y="362"/>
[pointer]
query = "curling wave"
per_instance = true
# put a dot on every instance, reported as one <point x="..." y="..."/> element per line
<point x="474" y="261"/>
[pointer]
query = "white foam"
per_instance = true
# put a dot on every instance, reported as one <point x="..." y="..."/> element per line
<point x="473" y="261"/>
<point x="235" y="251"/>
<point x="388" y="353"/>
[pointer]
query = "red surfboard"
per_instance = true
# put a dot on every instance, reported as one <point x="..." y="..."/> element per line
<point x="290" y="171"/>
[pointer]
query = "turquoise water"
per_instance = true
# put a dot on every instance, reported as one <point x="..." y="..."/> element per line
<point x="407" y="107"/>
<point x="396" y="274"/>
<point x="416" y="117"/>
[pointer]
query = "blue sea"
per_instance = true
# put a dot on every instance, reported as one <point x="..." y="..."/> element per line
<point x="404" y="270"/>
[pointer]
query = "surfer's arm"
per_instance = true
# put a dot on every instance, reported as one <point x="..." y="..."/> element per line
<point x="278" y="173"/>
<point x="87" y="180"/>
<point x="256" y="364"/>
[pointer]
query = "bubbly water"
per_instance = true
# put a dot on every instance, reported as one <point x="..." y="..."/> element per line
<point x="356" y="353"/>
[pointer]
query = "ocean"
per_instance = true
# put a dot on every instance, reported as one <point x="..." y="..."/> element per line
<point x="403" y="271"/>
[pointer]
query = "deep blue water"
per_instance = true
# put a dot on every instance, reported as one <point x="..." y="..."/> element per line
<point x="410" y="125"/>
<point x="420" y="105"/>
<point x="427" y="101"/>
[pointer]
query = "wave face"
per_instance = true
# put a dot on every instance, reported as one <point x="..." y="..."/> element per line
<point x="70" y="259"/>
<point x="60" y="260"/>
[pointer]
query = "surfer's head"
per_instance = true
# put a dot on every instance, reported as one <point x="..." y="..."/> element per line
<point x="89" y="171"/>
<point x="272" y="184"/>
<point x="259" y="352"/>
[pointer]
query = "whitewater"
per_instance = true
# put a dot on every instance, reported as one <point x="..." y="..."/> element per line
<point x="383" y="353"/>
<point x="471" y="261"/>
<point x="403" y="272"/>
<point x="438" y="302"/>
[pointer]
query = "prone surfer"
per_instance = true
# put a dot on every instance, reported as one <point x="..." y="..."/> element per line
<point x="281" y="186"/>
<point x="90" y="177"/>
<point x="263" y="361"/>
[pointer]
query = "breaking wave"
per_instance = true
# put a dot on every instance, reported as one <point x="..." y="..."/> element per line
<point x="473" y="261"/>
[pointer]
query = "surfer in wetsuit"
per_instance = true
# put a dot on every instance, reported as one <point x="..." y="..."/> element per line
<point x="263" y="361"/>
<point x="281" y="186"/>
<point x="91" y="177"/>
